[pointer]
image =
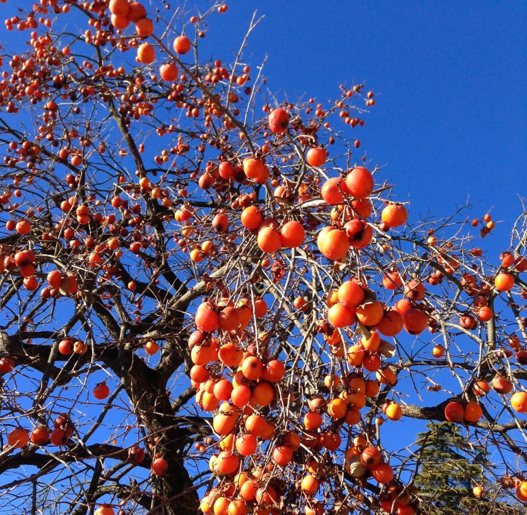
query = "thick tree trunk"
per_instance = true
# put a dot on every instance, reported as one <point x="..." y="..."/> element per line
<point x="152" y="406"/>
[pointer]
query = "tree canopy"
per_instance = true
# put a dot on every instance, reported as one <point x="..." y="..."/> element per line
<point x="213" y="300"/>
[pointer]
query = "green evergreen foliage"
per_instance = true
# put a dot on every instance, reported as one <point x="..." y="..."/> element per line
<point x="450" y="468"/>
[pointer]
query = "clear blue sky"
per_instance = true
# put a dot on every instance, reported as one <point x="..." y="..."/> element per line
<point x="450" y="77"/>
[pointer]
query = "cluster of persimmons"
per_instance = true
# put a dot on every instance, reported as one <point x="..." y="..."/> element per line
<point x="290" y="275"/>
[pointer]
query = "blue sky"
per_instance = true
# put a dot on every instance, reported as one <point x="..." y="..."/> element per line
<point x="450" y="120"/>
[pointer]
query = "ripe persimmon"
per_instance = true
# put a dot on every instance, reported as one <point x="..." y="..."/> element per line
<point x="221" y="504"/>
<point x="481" y="388"/>
<point x="382" y="473"/>
<point x="119" y="7"/>
<point x="248" y="490"/>
<point x="341" y="316"/>
<point x="120" y="22"/>
<point x="370" y="314"/>
<point x="251" y="217"/>
<point x="101" y="391"/>
<point x="256" y="424"/>
<point x="394" y="411"/>
<point x="520" y="264"/>
<point x="360" y="182"/>
<point x="392" y="280"/>
<point x="386" y="375"/>
<point x="144" y="27"/>
<point x="252" y="368"/>
<point x="23" y="227"/>
<point x="371" y="456"/>
<point x="224" y="424"/>
<point x="504" y="281"/>
<point x="269" y="240"/>
<point x="136" y="11"/>
<point x="501" y="385"/>
<point x="146" y="53"/>
<point x="415" y="321"/>
<point x="292" y="234"/>
<point x="438" y="351"/>
<point x="312" y="420"/>
<point x="246" y="444"/>
<point x="274" y="371"/>
<point x="220" y="223"/>
<point x="104" y="510"/>
<point x="309" y="485"/>
<point x="333" y="243"/>
<point x="151" y="347"/>
<point x="334" y="190"/>
<point x="485" y="314"/>
<point x="337" y="408"/>
<point x="159" y="466"/>
<point x="230" y="354"/>
<point x="39" y="436"/>
<point x="253" y="168"/>
<point x="182" y="45"/>
<point x="394" y="215"/>
<point x="206" y="319"/>
<point x="371" y="362"/>
<point x="350" y="294"/>
<point x="199" y="374"/>
<point x="473" y="412"/>
<point x="391" y="323"/>
<point x="278" y="121"/>
<point x="454" y="412"/>
<point x="316" y="156"/>
<point x="282" y="455"/>
<point x="414" y="290"/>
<point x="237" y="507"/>
<point x="359" y="233"/>
<point x="372" y="343"/>
<point x="168" y="72"/>
<point x="19" y="437"/>
<point x="519" y="402"/>
<point x="263" y="394"/>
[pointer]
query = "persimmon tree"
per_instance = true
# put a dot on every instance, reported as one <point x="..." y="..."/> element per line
<point x="212" y="301"/>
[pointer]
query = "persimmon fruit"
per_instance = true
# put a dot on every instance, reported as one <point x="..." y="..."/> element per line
<point x="316" y="156"/>
<point x="360" y="182"/>
<point x="182" y="45"/>
<point x="278" y="121"/>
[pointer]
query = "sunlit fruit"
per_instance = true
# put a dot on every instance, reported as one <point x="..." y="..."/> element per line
<point x="333" y="243"/>
<point x="278" y="121"/>
<point x="19" y="437"/>
<point x="334" y="190"/>
<point x="415" y="321"/>
<point x="504" y="282"/>
<point x="292" y="234"/>
<point x="101" y="391"/>
<point x="473" y="412"/>
<point x="382" y="473"/>
<point x="394" y="215"/>
<point x="454" y="412"/>
<point x="350" y="294"/>
<point x="269" y="240"/>
<point x="159" y="466"/>
<point x="519" y="402"/>
<point x="501" y="385"/>
<point x="316" y="156"/>
<point x="360" y="182"/>
<point x="182" y="45"/>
